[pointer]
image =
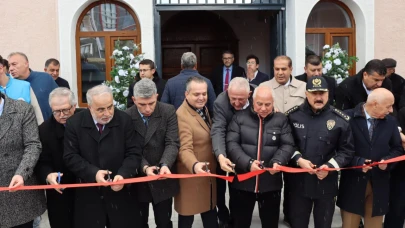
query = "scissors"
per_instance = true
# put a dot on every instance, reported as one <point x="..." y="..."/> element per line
<point x="108" y="176"/>
<point x="261" y="165"/>
<point x="58" y="180"/>
<point x="368" y="162"/>
<point x="156" y="171"/>
<point x="206" y="167"/>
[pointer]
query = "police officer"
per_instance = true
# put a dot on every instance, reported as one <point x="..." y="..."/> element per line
<point x="323" y="139"/>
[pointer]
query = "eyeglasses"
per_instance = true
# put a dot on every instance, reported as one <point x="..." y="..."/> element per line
<point x="251" y="63"/>
<point x="229" y="58"/>
<point x="144" y="70"/>
<point x="64" y="111"/>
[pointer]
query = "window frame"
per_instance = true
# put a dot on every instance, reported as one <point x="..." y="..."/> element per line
<point x="108" y="36"/>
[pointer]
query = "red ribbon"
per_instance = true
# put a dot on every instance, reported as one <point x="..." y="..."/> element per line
<point x="241" y="177"/>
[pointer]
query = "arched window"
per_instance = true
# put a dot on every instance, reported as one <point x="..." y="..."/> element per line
<point x="99" y="29"/>
<point x="330" y="22"/>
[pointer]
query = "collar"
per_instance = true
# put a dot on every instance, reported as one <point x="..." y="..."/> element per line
<point x="140" y="113"/>
<point x="288" y="83"/>
<point x="195" y="109"/>
<point x="230" y="68"/>
<point x="365" y="112"/>
<point x="367" y="91"/>
<point x="1" y="105"/>
<point x="246" y="105"/>
<point x="254" y="76"/>
<point x="256" y="115"/>
<point x="308" y="109"/>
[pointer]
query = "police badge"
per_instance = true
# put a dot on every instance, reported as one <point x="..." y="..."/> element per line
<point x="330" y="124"/>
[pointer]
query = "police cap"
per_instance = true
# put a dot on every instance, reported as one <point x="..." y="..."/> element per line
<point x="317" y="83"/>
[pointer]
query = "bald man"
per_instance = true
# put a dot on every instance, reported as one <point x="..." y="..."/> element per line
<point x="267" y="142"/>
<point x="365" y="192"/>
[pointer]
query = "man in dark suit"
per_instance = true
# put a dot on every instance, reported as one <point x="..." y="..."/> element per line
<point x="222" y="75"/>
<point x="52" y="67"/>
<point x="225" y="106"/>
<point x="156" y="124"/>
<point x="398" y="82"/>
<point x="147" y="69"/>
<point x="252" y="73"/>
<point x="50" y="167"/>
<point x="365" y="192"/>
<point x="355" y="89"/>
<point x="101" y="146"/>
<point x="313" y="67"/>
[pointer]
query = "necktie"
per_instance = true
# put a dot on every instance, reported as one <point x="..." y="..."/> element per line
<point x="100" y="128"/>
<point x="145" y="120"/>
<point x="371" y="128"/>
<point x="226" y="80"/>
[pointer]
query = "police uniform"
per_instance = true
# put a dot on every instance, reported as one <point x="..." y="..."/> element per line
<point x="324" y="138"/>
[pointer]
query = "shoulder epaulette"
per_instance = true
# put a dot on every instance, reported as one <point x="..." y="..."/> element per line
<point x="291" y="110"/>
<point x="341" y="114"/>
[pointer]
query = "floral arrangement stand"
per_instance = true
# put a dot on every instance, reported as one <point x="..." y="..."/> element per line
<point x="336" y="62"/>
<point x="126" y="66"/>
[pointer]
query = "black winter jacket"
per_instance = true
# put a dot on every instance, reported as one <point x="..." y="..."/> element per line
<point x="269" y="140"/>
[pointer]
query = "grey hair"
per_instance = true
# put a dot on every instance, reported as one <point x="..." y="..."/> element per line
<point x="145" y="88"/>
<point x="62" y="92"/>
<point x="18" y="53"/>
<point x="239" y="83"/>
<point x="196" y="79"/>
<point x="188" y="60"/>
<point x="263" y="86"/>
<point x="97" y="90"/>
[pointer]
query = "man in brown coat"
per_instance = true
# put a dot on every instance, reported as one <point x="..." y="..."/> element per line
<point x="197" y="195"/>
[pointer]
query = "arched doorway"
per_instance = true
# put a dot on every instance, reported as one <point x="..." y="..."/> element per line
<point x="331" y="22"/>
<point x="201" y="32"/>
<point x="98" y="30"/>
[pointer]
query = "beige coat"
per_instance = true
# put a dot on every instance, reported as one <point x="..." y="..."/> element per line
<point x="195" y="146"/>
<point x="286" y="97"/>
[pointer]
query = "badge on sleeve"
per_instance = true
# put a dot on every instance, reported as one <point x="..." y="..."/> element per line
<point x="330" y="124"/>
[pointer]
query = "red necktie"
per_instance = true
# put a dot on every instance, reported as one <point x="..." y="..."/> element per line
<point x="100" y="128"/>
<point x="226" y="79"/>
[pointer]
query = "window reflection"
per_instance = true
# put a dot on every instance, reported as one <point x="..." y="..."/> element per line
<point x="107" y="17"/>
<point x="328" y="15"/>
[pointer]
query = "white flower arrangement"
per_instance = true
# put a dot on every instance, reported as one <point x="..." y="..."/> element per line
<point x="126" y="66"/>
<point x="336" y="62"/>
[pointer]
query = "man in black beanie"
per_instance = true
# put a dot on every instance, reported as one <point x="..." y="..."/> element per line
<point x="398" y="82"/>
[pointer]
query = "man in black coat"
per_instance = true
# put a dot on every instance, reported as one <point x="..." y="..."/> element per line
<point x="101" y="146"/>
<point x="225" y="106"/>
<point x="222" y="75"/>
<point x="147" y="69"/>
<point x="398" y="82"/>
<point x="323" y="139"/>
<point x="253" y="74"/>
<point x="257" y="137"/>
<point x="156" y="124"/>
<point x="50" y="167"/>
<point x="355" y="89"/>
<point x="365" y="192"/>
<point x="313" y="67"/>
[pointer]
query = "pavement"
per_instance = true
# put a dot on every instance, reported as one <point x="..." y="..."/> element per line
<point x="337" y="220"/>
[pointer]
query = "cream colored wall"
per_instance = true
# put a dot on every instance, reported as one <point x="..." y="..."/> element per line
<point x="390" y="32"/>
<point x="31" y="27"/>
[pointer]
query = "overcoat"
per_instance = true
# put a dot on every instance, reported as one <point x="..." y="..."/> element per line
<point x="385" y="144"/>
<point x="86" y="151"/>
<point x="160" y="146"/>
<point x="195" y="146"/>
<point x="19" y="152"/>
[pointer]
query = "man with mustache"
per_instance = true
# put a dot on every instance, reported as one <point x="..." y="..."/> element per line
<point x="323" y="139"/>
<point x="288" y="91"/>
<point x="355" y="89"/>
<point x="101" y="146"/>
<point x="365" y="192"/>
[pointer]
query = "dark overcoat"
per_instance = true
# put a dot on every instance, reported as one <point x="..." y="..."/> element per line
<point x="160" y="146"/>
<point x="117" y="149"/>
<point x="385" y="144"/>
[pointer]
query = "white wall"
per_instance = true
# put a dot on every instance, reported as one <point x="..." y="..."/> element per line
<point x="69" y="12"/>
<point x="297" y="12"/>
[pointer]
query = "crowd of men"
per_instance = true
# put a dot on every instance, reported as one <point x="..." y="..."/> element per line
<point x="233" y="123"/>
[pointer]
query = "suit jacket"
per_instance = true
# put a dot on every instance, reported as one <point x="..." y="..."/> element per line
<point x="19" y="151"/>
<point x="160" y="86"/>
<point x="351" y="92"/>
<point x="62" y="82"/>
<point x="160" y="145"/>
<point x="217" y="77"/>
<point x="385" y="144"/>
<point x="195" y="146"/>
<point x="117" y="149"/>
<point x="331" y="85"/>
<point x="260" y="78"/>
<point x="285" y="99"/>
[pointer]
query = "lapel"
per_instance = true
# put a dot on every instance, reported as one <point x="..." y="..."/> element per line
<point x="154" y="123"/>
<point x="91" y="128"/>
<point x="137" y="120"/>
<point x="6" y="119"/>
<point x="197" y="116"/>
<point x="361" y="122"/>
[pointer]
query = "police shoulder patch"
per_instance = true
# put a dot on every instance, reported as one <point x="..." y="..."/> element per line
<point x="291" y="110"/>
<point x="341" y="114"/>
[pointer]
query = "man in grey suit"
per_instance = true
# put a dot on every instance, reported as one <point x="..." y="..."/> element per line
<point x="20" y="148"/>
<point x="156" y="123"/>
